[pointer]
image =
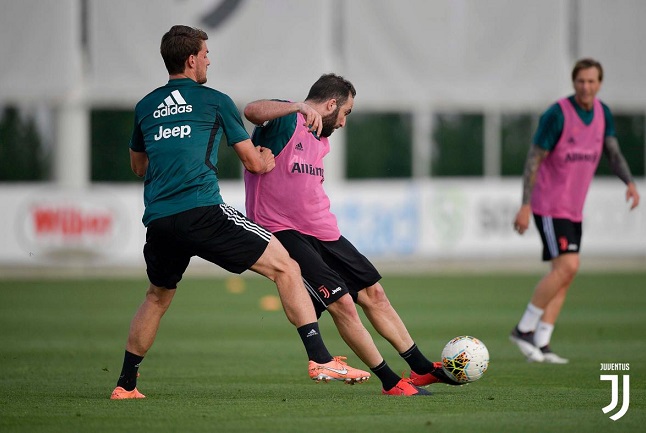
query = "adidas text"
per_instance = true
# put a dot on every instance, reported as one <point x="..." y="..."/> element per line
<point x="312" y="333"/>
<point x="176" y="131"/>
<point x="173" y="104"/>
<point x="169" y="111"/>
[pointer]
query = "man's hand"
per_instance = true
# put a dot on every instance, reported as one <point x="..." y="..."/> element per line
<point x="268" y="158"/>
<point x="631" y="193"/>
<point x="313" y="119"/>
<point x="521" y="223"/>
<point x="256" y="159"/>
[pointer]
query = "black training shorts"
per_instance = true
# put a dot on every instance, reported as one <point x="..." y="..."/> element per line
<point x="330" y="269"/>
<point x="559" y="236"/>
<point x="219" y="234"/>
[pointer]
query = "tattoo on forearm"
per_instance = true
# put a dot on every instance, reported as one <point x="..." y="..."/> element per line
<point x="535" y="156"/>
<point x="618" y="163"/>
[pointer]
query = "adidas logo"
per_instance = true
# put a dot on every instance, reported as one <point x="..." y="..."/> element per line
<point x="299" y="146"/>
<point x="312" y="333"/>
<point x="173" y="104"/>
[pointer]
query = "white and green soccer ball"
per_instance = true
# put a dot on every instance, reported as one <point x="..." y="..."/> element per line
<point x="465" y="359"/>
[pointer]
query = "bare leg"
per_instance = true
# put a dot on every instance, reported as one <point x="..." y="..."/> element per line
<point x="384" y="318"/>
<point x="356" y="336"/>
<point x="545" y="307"/>
<point x="553" y="309"/>
<point x="145" y="323"/>
<point x="278" y="266"/>
<point x="550" y="292"/>
<point x="387" y="322"/>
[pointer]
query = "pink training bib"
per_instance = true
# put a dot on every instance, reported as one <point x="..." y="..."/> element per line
<point x="291" y="196"/>
<point x="565" y="175"/>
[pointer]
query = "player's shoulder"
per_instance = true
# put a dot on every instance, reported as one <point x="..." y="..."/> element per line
<point x="553" y="112"/>
<point x="213" y="93"/>
<point x="609" y="119"/>
<point x="603" y="104"/>
<point x="282" y="125"/>
<point x="185" y="86"/>
<point x="150" y="98"/>
<point x="605" y="107"/>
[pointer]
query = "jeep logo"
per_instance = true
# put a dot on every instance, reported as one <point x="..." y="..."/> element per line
<point x="176" y="131"/>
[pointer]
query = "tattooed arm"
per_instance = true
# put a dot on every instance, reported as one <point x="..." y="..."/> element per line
<point x="620" y="167"/>
<point x="618" y="163"/>
<point x="535" y="157"/>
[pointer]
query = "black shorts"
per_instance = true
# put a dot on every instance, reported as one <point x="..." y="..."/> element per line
<point x="219" y="234"/>
<point x="559" y="236"/>
<point x="330" y="269"/>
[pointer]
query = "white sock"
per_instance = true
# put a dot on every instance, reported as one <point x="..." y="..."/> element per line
<point x="530" y="318"/>
<point x="543" y="334"/>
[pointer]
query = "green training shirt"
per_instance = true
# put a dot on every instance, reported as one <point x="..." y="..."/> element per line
<point x="276" y="133"/>
<point x="179" y="126"/>
<point x="550" y="125"/>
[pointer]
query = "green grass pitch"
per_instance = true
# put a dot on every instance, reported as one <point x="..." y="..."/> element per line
<point x="222" y="364"/>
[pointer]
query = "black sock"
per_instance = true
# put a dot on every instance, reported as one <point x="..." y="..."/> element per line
<point x="314" y="346"/>
<point x="128" y="378"/>
<point x="416" y="361"/>
<point x="386" y="375"/>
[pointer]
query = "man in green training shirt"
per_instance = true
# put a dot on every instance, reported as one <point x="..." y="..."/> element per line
<point x="174" y="145"/>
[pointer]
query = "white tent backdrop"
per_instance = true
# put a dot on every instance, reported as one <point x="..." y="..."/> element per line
<point x="39" y="48"/>
<point x="455" y="52"/>
<point x="262" y="49"/>
<point x="458" y="52"/>
<point x="614" y="33"/>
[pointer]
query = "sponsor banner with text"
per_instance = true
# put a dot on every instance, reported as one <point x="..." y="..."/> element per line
<point x="44" y="225"/>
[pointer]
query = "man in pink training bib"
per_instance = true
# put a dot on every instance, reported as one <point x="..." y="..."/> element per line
<point x="571" y="136"/>
<point x="290" y="201"/>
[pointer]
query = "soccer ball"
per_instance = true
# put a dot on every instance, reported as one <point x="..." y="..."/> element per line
<point x="465" y="359"/>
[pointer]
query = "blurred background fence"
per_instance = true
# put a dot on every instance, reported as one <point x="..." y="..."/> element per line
<point x="426" y="172"/>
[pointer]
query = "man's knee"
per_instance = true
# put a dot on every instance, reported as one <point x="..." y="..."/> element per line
<point x="276" y="262"/>
<point x="567" y="266"/>
<point x="159" y="296"/>
<point x="288" y="267"/>
<point x="343" y="306"/>
<point x="373" y="297"/>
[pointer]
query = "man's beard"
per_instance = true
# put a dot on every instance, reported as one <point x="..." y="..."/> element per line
<point x="329" y="123"/>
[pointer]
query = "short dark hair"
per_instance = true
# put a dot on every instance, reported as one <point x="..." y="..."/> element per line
<point x="331" y="86"/>
<point x="178" y="44"/>
<point x="587" y="63"/>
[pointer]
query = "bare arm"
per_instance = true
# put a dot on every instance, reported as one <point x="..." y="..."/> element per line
<point x="535" y="157"/>
<point x="618" y="163"/>
<point x="620" y="167"/>
<point x="256" y="160"/>
<point x="259" y="112"/>
<point x="139" y="162"/>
